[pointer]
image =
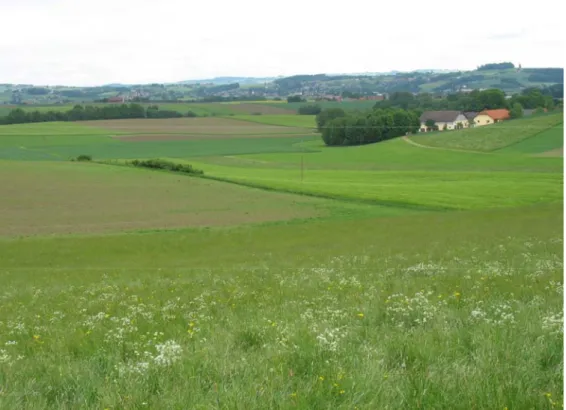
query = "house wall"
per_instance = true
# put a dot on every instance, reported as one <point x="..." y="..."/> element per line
<point x="482" y="120"/>
<point x="450" y="125"/>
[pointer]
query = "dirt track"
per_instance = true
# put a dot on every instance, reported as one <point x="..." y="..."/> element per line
<point x="558" y="152"/>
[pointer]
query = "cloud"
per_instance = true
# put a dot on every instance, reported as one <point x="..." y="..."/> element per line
<point x="136" y="41"/>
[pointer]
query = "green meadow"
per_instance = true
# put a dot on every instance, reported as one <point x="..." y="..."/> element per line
<point x="290" y="275"/>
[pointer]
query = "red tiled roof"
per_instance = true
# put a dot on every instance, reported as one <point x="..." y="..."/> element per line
<point x="500" y="114"/>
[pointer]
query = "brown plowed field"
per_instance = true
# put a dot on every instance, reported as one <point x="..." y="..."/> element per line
<point x="202" y="126"/>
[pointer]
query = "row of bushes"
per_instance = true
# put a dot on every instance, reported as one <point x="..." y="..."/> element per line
<point x="152" y="164"/>
<point x="355" y="128"/>
<point x="166" y="165"/>
<point x="91" y="112"/>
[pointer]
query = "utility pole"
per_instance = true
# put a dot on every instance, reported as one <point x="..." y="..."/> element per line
<point x="302" y="158"/>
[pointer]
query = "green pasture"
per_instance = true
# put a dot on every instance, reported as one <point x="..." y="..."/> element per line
<point x="428" y="189"/>
<point x="104" y="147"/>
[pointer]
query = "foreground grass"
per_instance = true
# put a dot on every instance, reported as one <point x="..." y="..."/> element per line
<point x="452" y="311"/>
<point x="491" y="137"/>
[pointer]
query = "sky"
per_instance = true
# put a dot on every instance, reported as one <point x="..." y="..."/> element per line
<point x="79" y="43"/>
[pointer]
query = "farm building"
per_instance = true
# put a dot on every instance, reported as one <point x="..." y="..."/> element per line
<point x="116" y="100"/>
<point x="470" y="115"/>
<point x="487" y="117"/>
<point x="443" y="120"/>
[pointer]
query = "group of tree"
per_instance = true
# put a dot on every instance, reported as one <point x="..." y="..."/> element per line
<point x="89" y="112"/>
<point x="545" y="75"/>
<point x="474" y="101"/>
<point x="356" y="128"/>
<point x="496" y="66"/>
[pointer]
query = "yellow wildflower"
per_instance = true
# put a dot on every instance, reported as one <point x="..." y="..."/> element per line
<point x="360" y="315"/>
<point x="342" y="391"/>
<point x="321" y="378"/>
<point x="293" y="394"/>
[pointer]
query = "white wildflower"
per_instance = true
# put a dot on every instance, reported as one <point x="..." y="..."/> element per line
<point x="169" y="352"/>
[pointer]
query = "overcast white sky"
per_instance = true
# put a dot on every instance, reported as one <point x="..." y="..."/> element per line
<point x="71" y="42"/>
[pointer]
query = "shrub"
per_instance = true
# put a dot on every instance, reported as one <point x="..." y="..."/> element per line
<point x="83" y="158"/>
<point x="166" y="165"/>
<point x="191" y="114"/>
<point x="256" y="113"/>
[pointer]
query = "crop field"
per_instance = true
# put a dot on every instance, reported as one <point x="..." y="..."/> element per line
<point x="290" y="275"/>
<point x="141" y="138"/>
<point x="86" y="198"/>
<point x="302" y="121"/>
<point x="493" y="137"/>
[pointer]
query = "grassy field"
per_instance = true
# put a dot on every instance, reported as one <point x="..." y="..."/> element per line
<point x="451" y="311"/>
<point x="418" y="278"/>
<point x="184" y="137"/>
<point x="493" y="137"/>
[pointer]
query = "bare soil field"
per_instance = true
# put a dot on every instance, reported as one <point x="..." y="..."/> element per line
<point x="79" y="198"/>
<point x="203" y="126"/>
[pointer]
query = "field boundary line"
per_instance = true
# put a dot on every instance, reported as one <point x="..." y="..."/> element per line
<point x="378" y="202"/>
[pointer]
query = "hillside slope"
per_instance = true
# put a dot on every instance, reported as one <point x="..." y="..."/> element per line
<point x="492" y="137"/>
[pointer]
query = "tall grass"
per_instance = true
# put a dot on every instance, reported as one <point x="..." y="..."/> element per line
<point x="255" y="325"/>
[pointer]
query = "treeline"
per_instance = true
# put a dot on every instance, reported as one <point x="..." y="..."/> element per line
<point x="496" y="66"/>
<point x="356" y="128"/>
<point x="475" y="100"/>
<point x="90" y="112"/>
